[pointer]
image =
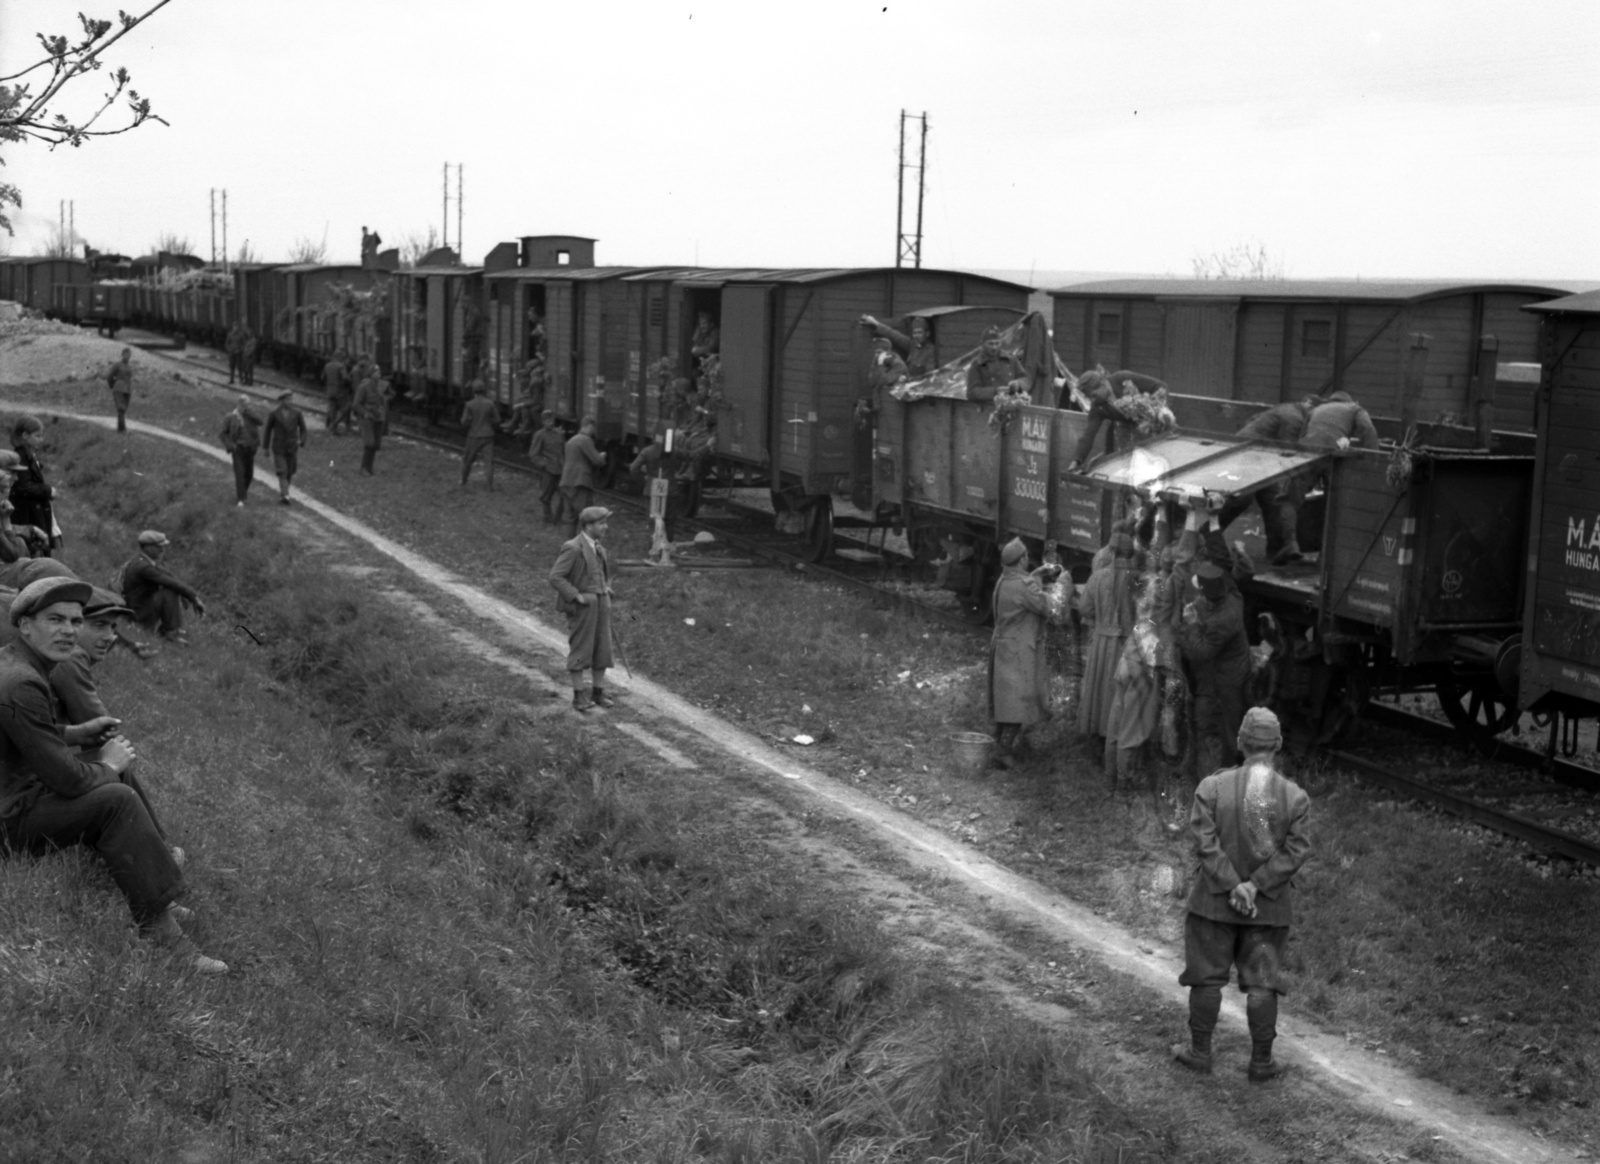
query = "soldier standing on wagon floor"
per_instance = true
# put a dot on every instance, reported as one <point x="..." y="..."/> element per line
<point x="1251" y="835"/>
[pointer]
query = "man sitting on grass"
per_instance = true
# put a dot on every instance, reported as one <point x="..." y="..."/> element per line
<point x="51" y="798"/>
<point x="157" y="597"/>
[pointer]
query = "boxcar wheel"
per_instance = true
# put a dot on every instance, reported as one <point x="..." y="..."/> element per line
<point x="1478" y="708"/>
<point x="819" y="531"/>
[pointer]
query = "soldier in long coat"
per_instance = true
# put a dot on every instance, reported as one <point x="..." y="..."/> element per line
<point x="582" y="577"/>
<point x="1211" y="636"/>
<point x="1019" y="672"/>
<point x="1107" y="607"/>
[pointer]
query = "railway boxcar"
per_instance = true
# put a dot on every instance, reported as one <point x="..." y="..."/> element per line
<point x="10" y="268"/>
<point x="1279" y="339"/>
<point x="437" y="333"/>
<point x="517" y="302"/>
<point x="43" y="275"/>
<point x="1558" y="663"/>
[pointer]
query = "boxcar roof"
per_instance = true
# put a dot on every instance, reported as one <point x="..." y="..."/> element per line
<point x="441" y="270"/>
<point x="301" y="268"/>
<point x="957" y="308"/>
<point x="1586" y="302"/>
<point x="716" y="277"/>
<point x="573" y="273"/>
<point x="1396" y="291"/>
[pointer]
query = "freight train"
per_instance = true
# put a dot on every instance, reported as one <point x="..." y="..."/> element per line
<point x="1427" y="561"/>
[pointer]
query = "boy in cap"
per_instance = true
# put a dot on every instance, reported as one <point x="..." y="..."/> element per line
<point x="482" y="417"/>
<point x="582" y="577"/>
<point x="241" y="437"/>
<point x="1250" y="828"/>
<point x="1212" y="639"/>
<point x="1019" y="670"/>
<point x="120" y="380"/>
<point x="157" y="597"/>
<point x="50" y="798"/>
<point x="31" y="494"/>
<point x="284" y="434"/>
<point x="547" y="451"/>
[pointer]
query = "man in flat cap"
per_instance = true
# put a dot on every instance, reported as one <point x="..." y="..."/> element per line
<point x="241" y="437"/>
<point x="1212" y="639"/>
<point x="1019" y="670"/>
<point x="51" y="798"/>
<point x="988" y="375"/>
<point x="547" y="451"/>
<point x="73" y="681"/>
<point x="284" y="434"/>
<point x="582" y="577"/>
<point x="577" y="471"/>
<point x="157" y="597"/>
<point x="1251" y="834"/>
<point x="481" y="415"/>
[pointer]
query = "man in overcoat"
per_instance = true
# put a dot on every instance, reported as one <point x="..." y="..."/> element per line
<point x="547" y="451"/>
<point x="577" y="471"/>
<point x="1019" y="671"/>
<point x="285" y="432"/>
<point x="1250" y="830"/>
<point x="51" y="798"/>
<point x="993" y="369"/>
<point x="336" y="382"/>
<point x="582" y="578"/>
<point x="1212" y="639"/>
<point x="372" y="413"/>
<point x="481" y="417"/>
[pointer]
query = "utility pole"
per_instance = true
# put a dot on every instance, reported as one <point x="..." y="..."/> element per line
<point x="224" y="231"/>
<point x="72" y="228"/>
<point x="910" y="246"/>
<point x="213" y="226"/>
<point x="446" y="207"/>
<point x="459" y="249"/>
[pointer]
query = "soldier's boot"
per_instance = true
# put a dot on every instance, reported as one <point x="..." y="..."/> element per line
<point x="1288" y="521"/>
<point x="581" y="701"/>
<point x="1005" y="737"/>
<point x="1205" y="1003"/>
<point x="1261" y="1011"/>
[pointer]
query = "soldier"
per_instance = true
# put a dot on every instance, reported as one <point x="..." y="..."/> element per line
<point x="1279" y="502"/>
<point x="481" y="416"/>
<point x="918" y="349"/>
<point x="1211" y="637"/>
<point x="581" y="459"/>
<point x="371" y="407"/>
<point x="285" y="432"/>
<point x="887" y="370"/>
<point x="247" y="357"/>
<point x="1250" y="828"/>
<point x="582" y="577"/>
<point x="336" y="382"/>
<point x="241" y="437"/>
<point x="157" y="597"/>
<point x="235" y="348"/>
<point x="707" y="338"/>
<point x="992" y="370"/>
<point x="1103" y="390"/>
<point x="1339" y="424"/>
<point x="547" y="451"/>
<point x="120" y="380"/>
<point x="51" y="798"/>
<point x="1019" y="670"/>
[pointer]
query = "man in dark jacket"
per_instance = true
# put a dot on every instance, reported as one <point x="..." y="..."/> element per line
<point x="481" y="417"/>
<point x="336" y="382"/>
<point x="582" y="577"/>
<point x="51" y="798"/>
<point x="547" y="451"/>
<point x="31" y="494"/>
<point x="1279" y="502"/>
<point x="285" y="432"/>
<point x="120" y="380"/>
<point x="1339" y="424"/>
<point x="1212" y="639"/>
<point x="1250" y="828"/>
<point x="156" y="597"/>
<point x="577" y="471"/>
<point x="992" y="370"/>
<point x="241" y="437"/>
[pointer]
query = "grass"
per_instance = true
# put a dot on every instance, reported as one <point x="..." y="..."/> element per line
<point x="459" y="931"/>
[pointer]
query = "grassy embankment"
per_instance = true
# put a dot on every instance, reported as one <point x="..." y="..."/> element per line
<point x="454" y="935"/>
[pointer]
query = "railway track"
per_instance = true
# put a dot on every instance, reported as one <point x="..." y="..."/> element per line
<point x="878" y="575"/>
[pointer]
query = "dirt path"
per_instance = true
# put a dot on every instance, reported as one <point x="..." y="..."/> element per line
<point x="690" y="739"/>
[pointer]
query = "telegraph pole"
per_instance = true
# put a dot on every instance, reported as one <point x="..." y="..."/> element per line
<point x="213" y="226"/>
<point x="224" y="231"/>
<point x="909" y="247"/>
<point x="459" y="250"/>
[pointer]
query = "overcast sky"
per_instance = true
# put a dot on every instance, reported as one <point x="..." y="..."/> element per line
<point x="1445" y="138"/>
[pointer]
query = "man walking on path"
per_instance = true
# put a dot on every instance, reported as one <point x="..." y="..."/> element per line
<point x="241" y="437"/>
<point x="155" y="596"/>
<point x="577" y="472"/>
<point x="336" y="381"/>
<point x="1251" y="835"/>
<point x="120" y="381"/>
<point x="547" y="451"/>
<point x="481" y="416"/>
<point x="51" y="798"/>
<point x="582" y="577"/>
<point x="284" y="434"/>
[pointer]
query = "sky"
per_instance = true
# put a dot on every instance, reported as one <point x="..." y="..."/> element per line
<point x="1404" y="139"/>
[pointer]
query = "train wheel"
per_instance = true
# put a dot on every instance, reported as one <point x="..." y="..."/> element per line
<point x="1479" y="708"/>
<point x="819" y="531"/>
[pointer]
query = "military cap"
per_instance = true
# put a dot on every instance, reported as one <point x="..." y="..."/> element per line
<point x="1122" y="545"/>
<point x="1210" y="580"/>
<point x="286" y="394"/>
<point x="105" y="603"/>
<point x="1260" y="730"/>
<point x="46" y="592"/>
<point x="1013" y="552"/>
<point x="991" y="333"/>
<point x="547" y="414"/>
<point x="153" y="537"/>
<point x="594" y="513"/>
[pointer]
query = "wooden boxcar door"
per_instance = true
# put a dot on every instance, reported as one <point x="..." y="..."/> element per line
<point x="559" y="330"/>
<point x="746" y="371"/>
<point x="1197" y="348"/>
<point x="438" y="326"/>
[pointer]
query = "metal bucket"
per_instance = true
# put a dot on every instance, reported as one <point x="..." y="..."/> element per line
<point x="970" y="753"/>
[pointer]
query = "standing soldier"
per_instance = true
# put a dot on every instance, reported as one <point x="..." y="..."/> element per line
<point x="547" y="451"/>
<point x="120" y="380"/>
<point x="481" y="416"/>
<point x="284" y="434"/>
<point x="992" y="370"/>
<point x="1250" y="828"/>
<point x="235" y="347"/>
<point x="1019" y="671"/>
<point x="336" y="382"/>
<point x="241" y="437"/>
<point x="247" y="357"/>
<point x="582" y="577"/>
<point x="577" y="471"/>
<point x="1212" y="638"/>
<point x="372" y="412"/>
